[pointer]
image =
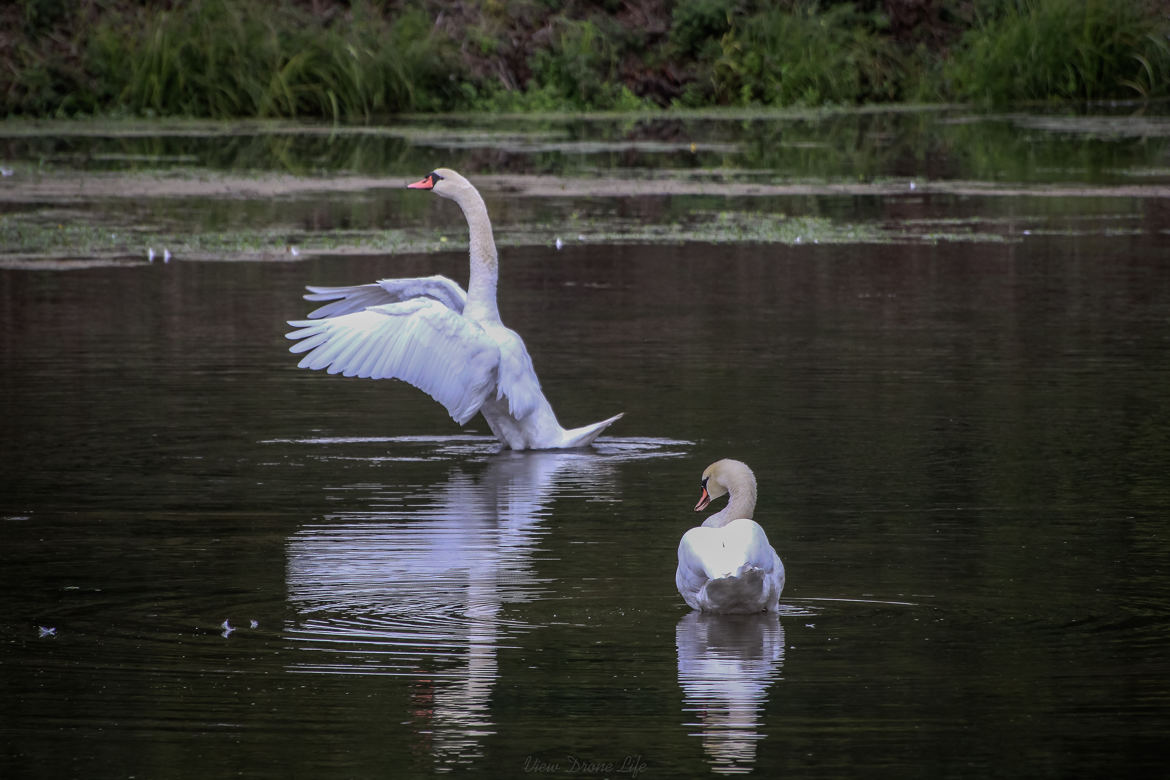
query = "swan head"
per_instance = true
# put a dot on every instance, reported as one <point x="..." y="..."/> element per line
<point x="443" y="181"/>
<point x="726" y="476"/>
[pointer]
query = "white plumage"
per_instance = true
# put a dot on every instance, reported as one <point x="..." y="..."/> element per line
<point x="448" y="343"/>
<point x="726" y="564"/>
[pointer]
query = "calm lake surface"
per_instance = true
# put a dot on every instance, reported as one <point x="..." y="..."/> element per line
<point x="215" y="564"/>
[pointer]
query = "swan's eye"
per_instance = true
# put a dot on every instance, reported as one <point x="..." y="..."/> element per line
<point x="435" y="178"/>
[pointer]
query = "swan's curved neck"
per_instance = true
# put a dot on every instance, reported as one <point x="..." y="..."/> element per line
<point x="741" y="502"/>
<point x="485" y="267"/>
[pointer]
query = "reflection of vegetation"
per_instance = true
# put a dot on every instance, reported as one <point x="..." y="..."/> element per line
<point x="768" y="146"/>
<point x="176" y="146"/>
<point x="365" y="60"/>
<point x="985" y="148"/>
<point x="1010" y="149"/>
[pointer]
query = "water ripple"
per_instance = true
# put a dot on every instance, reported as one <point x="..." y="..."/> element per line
<point x="425" y="589"/>
<point x="473" y="448"/>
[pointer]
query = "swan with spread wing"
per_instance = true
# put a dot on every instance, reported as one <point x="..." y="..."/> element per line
<point x="447" y="342"/>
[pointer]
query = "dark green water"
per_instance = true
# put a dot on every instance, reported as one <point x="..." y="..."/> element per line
<point x="963" y="452"/>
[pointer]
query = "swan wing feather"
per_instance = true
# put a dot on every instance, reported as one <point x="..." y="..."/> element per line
<point x="344" y="300"/>
<point x="419" y="341"/>
<point x="749" y="537"/>
<point x="691" y="575"/>
<point x="518" y="380"/>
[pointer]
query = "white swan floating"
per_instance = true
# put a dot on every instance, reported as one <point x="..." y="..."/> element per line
<point x="726" y="565"/>
<point x="448" y="343"/>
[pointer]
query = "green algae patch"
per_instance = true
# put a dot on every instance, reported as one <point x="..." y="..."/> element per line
<point x="30" y="241"/>
<point x="62" y="240"/>
<point x="713" y="227"/>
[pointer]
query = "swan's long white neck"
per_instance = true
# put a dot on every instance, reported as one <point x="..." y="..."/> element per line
<point x="741" y="502"/>
<point x="485" y="264"/>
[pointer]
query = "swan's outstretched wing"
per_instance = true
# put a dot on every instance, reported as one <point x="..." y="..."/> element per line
<point x="345" y="300"/>
<point x="420" y="341"/>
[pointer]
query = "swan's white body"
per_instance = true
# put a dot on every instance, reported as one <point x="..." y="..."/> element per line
<point x="726" y="565"/>
<point x="448" y="343"/>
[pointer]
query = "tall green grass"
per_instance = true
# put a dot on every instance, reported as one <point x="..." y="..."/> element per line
<point x="227" y="58"/>
<point x="807" y="55"/>
<point x="363" y="59"/>
<point x="1063" y="50"/>
<point x="578" y="69"/>
<point x="581" y="66"/>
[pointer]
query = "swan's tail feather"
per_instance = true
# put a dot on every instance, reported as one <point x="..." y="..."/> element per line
<point x="745" y="591"/>
<point x="584" y="436"/>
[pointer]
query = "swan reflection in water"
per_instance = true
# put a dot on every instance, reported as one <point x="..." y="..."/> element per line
<point x="725" y="665"/>
<point x="418" y="590"/>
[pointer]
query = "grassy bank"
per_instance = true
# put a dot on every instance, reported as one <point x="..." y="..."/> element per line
<point x="362" y="60"/>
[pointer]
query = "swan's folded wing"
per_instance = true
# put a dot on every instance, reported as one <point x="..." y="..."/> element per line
<point x="712" y="553"/>
<point x="692" y="571"/>
<point x="344" y="300"/>
<point x="752" y="539"/>
<point x="518" y="380"/>
<point x="419" y="341"/>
